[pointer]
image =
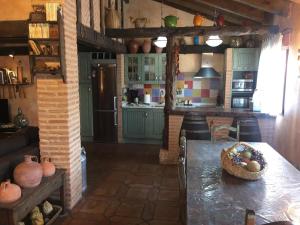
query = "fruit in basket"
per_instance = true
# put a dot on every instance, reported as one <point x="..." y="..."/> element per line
<point x="253" y="166"/>
<point x="246" y="154"/>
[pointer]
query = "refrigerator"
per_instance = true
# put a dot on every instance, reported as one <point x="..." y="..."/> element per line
<point x="105" y="103"/>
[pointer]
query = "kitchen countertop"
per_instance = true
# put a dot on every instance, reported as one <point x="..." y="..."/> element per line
<point x="218" y="111"/>
<point x="216" y="198"/>
<point x="143" y="106"/>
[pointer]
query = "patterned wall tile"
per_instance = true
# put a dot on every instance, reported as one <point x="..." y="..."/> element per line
<point x="147" y="86"/>
<point x="196" y="92"/>
<point x="180" y="84"/>
<point x="214" y="84"/>
<point x="180" y="76"/>
<point x="189" y="84"/>
<point x="188" y="93"/>
<point x="197" y="100"/>
<point x="205" y="93"/>
<point x="205" y="83"/>
<point x="213" y="93"/>
<point x="197" y="84"/>
<point x="155" y="92"/>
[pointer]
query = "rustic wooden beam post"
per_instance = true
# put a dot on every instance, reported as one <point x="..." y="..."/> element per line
<point x="78" y="11"/>
<point x="102" y="16"/>
<point x="170" y="86"/>
<point x="91" y="5"/>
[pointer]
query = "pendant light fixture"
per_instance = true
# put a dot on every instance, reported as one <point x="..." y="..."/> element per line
<point x="214" y="40"/>
<point x="161" y="41"/>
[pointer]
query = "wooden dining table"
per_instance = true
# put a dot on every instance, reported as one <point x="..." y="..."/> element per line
<point x="216" y="198"/>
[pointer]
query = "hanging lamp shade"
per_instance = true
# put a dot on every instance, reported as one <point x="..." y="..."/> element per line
<point x="214" y="41"/>
<point x="161" y="42"/>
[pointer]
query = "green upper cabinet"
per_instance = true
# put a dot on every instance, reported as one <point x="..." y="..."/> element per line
<point x="133" y="66"/>
<point x="245" y="59"/>
<point x="150" y="68"/>
<point x="162" y="58"/>
<point x="145" y="68"/>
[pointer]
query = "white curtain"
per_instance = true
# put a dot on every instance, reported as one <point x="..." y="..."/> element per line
<point x="270" y="79"/>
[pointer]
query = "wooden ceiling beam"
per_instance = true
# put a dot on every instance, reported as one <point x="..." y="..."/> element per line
<point x="89" y="37"/>
<point x="204" y="10"/>
<point x="277" y="7"/>
<point x="238" y="9"/>
<point x="191" y="31"/>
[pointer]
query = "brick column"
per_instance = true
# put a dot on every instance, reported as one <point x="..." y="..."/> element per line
<point x="58" y="112"/>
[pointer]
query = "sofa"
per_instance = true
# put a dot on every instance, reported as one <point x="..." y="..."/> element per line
<point x="13" y="147"/>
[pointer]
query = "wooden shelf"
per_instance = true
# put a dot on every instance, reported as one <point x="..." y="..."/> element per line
<point x="45" y="39"/>
<point x="22" y="84"/>
<point x="46" y="56"/>
<point x="190" y="49"/>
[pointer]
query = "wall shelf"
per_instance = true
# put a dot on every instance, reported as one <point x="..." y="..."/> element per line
<point x="190" y="49"/>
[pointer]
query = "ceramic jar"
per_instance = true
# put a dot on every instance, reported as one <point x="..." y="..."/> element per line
<point x="28" y="174"/>
<point x="146" y="46"/>
<point x="198" y="20"/>
<point x="158" y="49"/>
<point x="236" y="42"/>
<point x="48" y="167"/>
<point x="139" y="22"/>
<point x="9" y="192"/>
<point x="133" y="46"/>
<point x="170" y="21"/>
<point x="112" y="18"/>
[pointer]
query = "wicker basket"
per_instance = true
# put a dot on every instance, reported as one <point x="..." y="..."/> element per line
<point x="237" y="170"/>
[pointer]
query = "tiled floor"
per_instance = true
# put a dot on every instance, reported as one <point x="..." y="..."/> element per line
<point x="127" y="186"/>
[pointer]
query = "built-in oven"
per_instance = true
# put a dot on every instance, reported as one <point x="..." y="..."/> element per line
<point x="240" y="102"/>
<point x="242" y="85"/>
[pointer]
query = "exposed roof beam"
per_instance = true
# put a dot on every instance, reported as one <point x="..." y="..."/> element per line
<point x="278" y="7"/>
<point x="203" y="10"/>
<point x="191" y="31"/>
<point x="237" y="9"/>
<point x="89" y="37"/>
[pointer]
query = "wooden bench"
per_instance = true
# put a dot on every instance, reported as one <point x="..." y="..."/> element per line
<point x="11" y="214"/>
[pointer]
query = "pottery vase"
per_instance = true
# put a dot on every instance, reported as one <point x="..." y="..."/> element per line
<point x="158" y="49"/>
<point x="112" y="18"/>
<point x="48" y="167"/>
<point x="133" y="46"/>
<point x="198" y="20"/>
<point x="28" y="174"/>
<point x="9" y="192"/>
<point x="147" y="46"/>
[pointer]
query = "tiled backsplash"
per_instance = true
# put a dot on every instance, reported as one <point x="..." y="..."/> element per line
<point x="199" y="91"/>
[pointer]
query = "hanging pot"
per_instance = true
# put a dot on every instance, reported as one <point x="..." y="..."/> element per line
<point x="9" y="192"/>
<point x="170" y="21"/>
<point x="147" y="46"/>
<point x="158" y="49"/>
<point x="28" y="174"/>
<point x="133" y="46"/>
<point x="198" y="20"/>
<point x="220" y="20"/>
<point x="48" y="167"/>
<point x="112" y="18"/>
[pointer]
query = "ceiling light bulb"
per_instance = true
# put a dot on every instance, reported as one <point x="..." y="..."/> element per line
<point x="161" y="42"/>
<point x="214" y="41"/>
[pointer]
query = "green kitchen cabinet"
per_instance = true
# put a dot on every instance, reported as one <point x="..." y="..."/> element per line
<point x="86" y="111"/>
<point x="150" y="68"/>
<point x="134" y="123"/>
<point x="245" y="59"/>
<point x="145" y="68"/>
<point x="155" y="123"/>
<point x="133" y="68"/>
<point x="143" y="125"/>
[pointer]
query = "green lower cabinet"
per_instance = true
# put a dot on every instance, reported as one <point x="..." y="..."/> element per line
<point x="143" y="125"/>
<point x="86" y="112"/>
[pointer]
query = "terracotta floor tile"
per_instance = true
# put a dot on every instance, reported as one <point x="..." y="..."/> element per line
<point x="148" y="212"/>
<point x="133" y="210"/>
<point x="138" y="193"/>
<point x="170" y="183"/>
<point x="168" y="195"/>
<point x="119" y="220"/>
<point x="106" y="189"/>
<point x="169" y="213"/>
<point x="94" y="207"/>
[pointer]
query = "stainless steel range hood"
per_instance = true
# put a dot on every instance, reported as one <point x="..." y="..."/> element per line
<point x="206" y="72"/>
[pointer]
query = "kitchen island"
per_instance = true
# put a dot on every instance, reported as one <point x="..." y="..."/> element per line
<point x="216" y="198"/>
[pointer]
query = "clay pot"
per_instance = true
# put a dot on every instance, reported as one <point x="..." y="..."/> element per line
<point x="147" y="46"/>
<point x="133" y="46"/>
<point x="112" y="19"/>
<point x="9" y="192"/>
<point x="198" y="20"/>
<point x="28" y="174"/>
<point x="158" y="49"/>
<point x="48" y="167"/>
<point x="139" y="22"/>
<point x="220" y="20"/>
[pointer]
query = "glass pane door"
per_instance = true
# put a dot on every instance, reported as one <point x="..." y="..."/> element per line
<point x="150" y="68"/>
<point x="133" y="68"/>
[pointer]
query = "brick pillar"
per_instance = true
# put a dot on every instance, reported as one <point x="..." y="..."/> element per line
<point x="58" y="112"/>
